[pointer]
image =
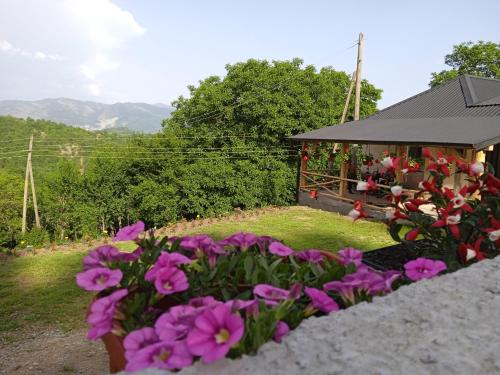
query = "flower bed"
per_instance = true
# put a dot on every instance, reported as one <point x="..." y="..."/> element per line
<point x="175" y="301"/>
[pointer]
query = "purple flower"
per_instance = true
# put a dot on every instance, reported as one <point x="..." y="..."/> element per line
<point x="241" y="240"/>
<point x="278" y="248"/>
<point x="295" y="291"/>
<point x="175" y="324"/>
<point x="239" y="304"/>
<point x="130" y="257"/>
<point x="163" y="355"/>
<point x="216" y="331"/>
<point x="281" y="331"/>
<point x="422" y="268"/>
<point x="97" y="279"/>
<point x="321" y="301"/>
<point x="138" y="339"/>
<point x="345" y="290"/>
<point x="270" y="293"/>
<point x="202" y="302"/>
<point x="166" y="260"/>
<point x="130" y="232"/>
<point x="101" y="257"/>
<point x="363" y="279"/>
<point x="263" y="242"/>
<point x="203" y="245"/>
<point x="384" y="284"/>
<point x="311" y="256"/>
<point x="101" y="314"/>
<point x="350" y="255"/>
<point x="171" y="280"/>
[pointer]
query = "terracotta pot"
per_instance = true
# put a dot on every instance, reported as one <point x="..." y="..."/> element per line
<point x="116" y="353"/>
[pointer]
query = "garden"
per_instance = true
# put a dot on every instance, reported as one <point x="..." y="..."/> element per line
<point x="174" y="301"/>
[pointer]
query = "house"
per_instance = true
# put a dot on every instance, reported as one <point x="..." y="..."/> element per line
<point x="460" y="117"/>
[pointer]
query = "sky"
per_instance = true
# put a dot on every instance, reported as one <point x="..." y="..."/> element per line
<point x="151" y="50"/>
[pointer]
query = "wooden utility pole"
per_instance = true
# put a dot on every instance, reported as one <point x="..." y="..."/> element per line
<point x="29" y="179"/>
<point x="348" y="99"/>
<point x="358" y="77"/>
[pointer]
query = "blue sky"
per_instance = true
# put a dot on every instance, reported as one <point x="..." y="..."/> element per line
<point x="150" y="50"/>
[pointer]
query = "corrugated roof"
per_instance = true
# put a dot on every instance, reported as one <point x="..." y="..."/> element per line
<point x="471" y="132"/>
<point x="464" y="112"/>
<point x="461" y="97"/>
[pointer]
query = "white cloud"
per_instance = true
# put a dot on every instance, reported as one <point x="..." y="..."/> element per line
<point x="94" y="89"/>
<point x="105" y="24"/>
<point x="5" y="46"/>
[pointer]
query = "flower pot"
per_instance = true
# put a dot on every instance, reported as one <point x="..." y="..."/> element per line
<point x="116" y="352"/>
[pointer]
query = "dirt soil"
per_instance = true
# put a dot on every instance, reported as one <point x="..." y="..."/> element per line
<point x="53" y="353"/>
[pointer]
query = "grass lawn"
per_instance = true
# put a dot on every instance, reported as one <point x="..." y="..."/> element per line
<point x="39" y="291"/>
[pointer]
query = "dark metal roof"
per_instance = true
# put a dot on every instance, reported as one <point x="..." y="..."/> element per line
<point x="464" y="112"/>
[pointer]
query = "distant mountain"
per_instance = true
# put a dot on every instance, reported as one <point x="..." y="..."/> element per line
<point x="140" y="117"/>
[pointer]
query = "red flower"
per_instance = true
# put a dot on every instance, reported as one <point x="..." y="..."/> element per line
<point x="411" y="235"/>
<point x="467" y="252"/>
<point x="494" y="231"/>
<point x="407" y="168"/>
<point x="313" y="194"/>
<point x="430" y="186"/>
<point x="448" y="220"/>
<point x="458" y="199"/>
<point x="394" y="216"/>
<point x="440" y="164"/>
<point x="357" y="212"/>
<point x="492" y="184"/>
<point x="368" y="185"/>
<point x="414" y="204"/>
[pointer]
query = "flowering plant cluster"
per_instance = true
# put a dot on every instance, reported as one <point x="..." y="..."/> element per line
<point x="174" y="301"/>
<point x="463" y="226"/>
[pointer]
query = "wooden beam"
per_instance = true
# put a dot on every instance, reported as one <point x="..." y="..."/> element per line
<point x="399" y="172"/>
<point x="348" y="99"/>
<point x="303" y="164"/>
<point x="343" y="170"/>
<point x="26" y="179"/>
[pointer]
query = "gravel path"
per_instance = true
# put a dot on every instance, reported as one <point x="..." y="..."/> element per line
<point x="51" y="353"/>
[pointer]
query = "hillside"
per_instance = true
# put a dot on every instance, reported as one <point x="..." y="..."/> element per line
<point x="52" y="141"/>
<point x="139" y="117"/>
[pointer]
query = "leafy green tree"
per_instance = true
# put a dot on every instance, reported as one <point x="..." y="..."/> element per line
<point x="11" y="206"/>
<point x="480" y="59"/>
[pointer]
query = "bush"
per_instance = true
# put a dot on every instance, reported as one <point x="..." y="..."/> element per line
<point x="36" y="237"/>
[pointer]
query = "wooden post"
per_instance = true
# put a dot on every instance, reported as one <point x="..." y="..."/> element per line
<point x="343" y="171"/>
<point x="26" y="178"/>
<point x="348" y="99"/>
<point x="303" y="166"/>
<point x="399" y="155"/>
<point x="358" y="77"/>
<point x="35" y="205"/>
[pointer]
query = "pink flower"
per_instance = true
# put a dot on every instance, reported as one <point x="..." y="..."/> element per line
<point x="270" y="293"/>
<point x="216" y="331"/>
<point x="166" y="260"/>
<point x="345" y="290"/>
<point x="422" y="268"/>
<point x="207" y="301"/>
<point x="321" y="301"/>
<point x="203" y="245"/>
<point x="163" y="355"/>
<point x="239" y="304"/>
<point x="311" y="256"/>
<point x="97" y="279"/>
<point x="101" y="314"/>
<point x="281" y="331"/>
<point x="130" y="233"/>
<point x="171" y="280"/>
<point x="101" y="257"/>
<point x="130" y="257"/>
<point x="263" y="242"/>
<point x="175" y="324"/>
<point x="277" y="248"/>
<point x="350" y="255"/>
<point x="241" y="240"/>
<point x="138" y="339"/>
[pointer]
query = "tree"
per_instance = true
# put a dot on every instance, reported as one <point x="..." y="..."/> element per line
<point x="11" y="206"/>
<point x="480" y="59"/>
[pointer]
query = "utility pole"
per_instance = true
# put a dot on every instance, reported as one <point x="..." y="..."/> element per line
<point x="358" y="77"/>
<point x="29" y="179"/>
